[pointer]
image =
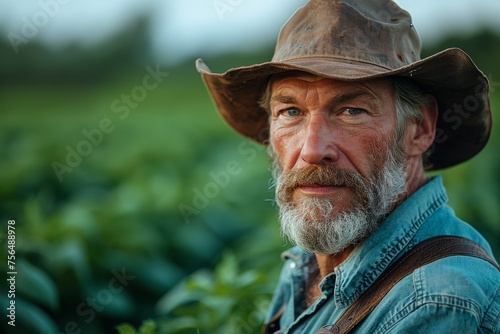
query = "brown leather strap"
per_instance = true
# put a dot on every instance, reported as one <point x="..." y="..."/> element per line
<point x="424" y="253"/>
<point x="273" y="326"/>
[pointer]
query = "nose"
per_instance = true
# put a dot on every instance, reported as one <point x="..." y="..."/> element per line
<point x="319" y="145"/>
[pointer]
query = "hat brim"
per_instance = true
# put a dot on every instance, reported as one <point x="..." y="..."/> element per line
<point x="460" y="88"/>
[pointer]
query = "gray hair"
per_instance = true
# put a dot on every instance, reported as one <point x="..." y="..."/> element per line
<point x="410" y="100"/>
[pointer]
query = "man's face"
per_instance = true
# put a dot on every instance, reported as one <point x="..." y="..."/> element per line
<point x="338" y="166"/>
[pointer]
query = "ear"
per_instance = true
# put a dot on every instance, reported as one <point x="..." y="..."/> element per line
<point x="420" y="135"/>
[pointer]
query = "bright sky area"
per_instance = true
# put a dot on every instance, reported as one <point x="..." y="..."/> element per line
<point x="191" y="28"/>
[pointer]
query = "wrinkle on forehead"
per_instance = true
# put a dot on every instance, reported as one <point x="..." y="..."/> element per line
<point x="289" y="89"/>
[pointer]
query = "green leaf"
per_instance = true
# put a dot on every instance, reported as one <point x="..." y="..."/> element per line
<point x="220" y="305"/>
<point x="249" y="278"/>
<point x="36" y="284"/>
<point x="178" y="325"/>
<point x="34" y="318"/>
<point x="227" y="270"/>
<point x="148" y="327"/>
<point x="183" y="293"/>
<point x="126" y="329"/>
<point x="202" y="281"/>
<point x="71" y="254"/>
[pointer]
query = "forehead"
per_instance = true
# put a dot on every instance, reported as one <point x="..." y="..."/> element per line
<point x="295" y="75"/>
<point x="296" y="80"/>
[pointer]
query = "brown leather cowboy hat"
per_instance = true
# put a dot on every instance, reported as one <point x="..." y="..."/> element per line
<point x="356" y="40"/>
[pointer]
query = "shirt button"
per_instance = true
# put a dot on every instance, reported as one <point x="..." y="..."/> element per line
<point x="292" y="265"/>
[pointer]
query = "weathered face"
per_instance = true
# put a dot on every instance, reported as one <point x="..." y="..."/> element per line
<point x="335" y="155"/>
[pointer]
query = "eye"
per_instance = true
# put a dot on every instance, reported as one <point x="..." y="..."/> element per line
<point x="354" y="111"/>
<point x="292" y="112"/>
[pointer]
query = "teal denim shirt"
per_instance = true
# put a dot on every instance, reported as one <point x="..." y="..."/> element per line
<point x="453" y="295"/>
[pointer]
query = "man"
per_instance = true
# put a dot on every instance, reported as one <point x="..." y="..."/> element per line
<point x="353" y="119"/>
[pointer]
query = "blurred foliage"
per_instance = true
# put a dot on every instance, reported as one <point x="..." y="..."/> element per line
<point x="167" y="224"/>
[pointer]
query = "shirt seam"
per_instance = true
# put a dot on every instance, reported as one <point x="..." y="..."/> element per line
<point x="495" y="321"/>
<point x="422" y="301"/>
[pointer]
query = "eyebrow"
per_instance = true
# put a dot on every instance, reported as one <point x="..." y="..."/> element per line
<point x="346" y="97"/>
<point x="283" y="99"/>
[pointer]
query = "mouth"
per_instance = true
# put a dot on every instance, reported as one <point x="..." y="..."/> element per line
<point x="318" y="189"/>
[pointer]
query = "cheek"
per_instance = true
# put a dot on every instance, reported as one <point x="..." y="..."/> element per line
<point x="367" y="153"/>
<point x="285" y="146"/>
<point x="378" y="152"/>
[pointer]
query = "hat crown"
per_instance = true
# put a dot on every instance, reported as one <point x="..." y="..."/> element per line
<point x="373" y="31"/>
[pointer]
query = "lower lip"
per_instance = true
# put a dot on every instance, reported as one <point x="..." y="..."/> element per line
<point x="318" y="190"/>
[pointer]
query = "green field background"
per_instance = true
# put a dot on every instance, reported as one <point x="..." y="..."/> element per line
<point x="166" y="224"/>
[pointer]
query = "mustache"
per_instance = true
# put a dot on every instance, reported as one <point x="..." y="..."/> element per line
<point x="319" y="175"/>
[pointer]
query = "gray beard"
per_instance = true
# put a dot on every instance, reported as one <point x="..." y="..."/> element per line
<point x="312" y="226"/>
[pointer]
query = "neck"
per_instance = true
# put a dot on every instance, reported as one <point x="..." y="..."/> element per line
<point x="415" y="177"/>
<point x="328" y="262"/>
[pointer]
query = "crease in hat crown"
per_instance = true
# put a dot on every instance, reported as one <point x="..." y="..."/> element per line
<point x="359" y="40"/>
<point x="376" y="32"/>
